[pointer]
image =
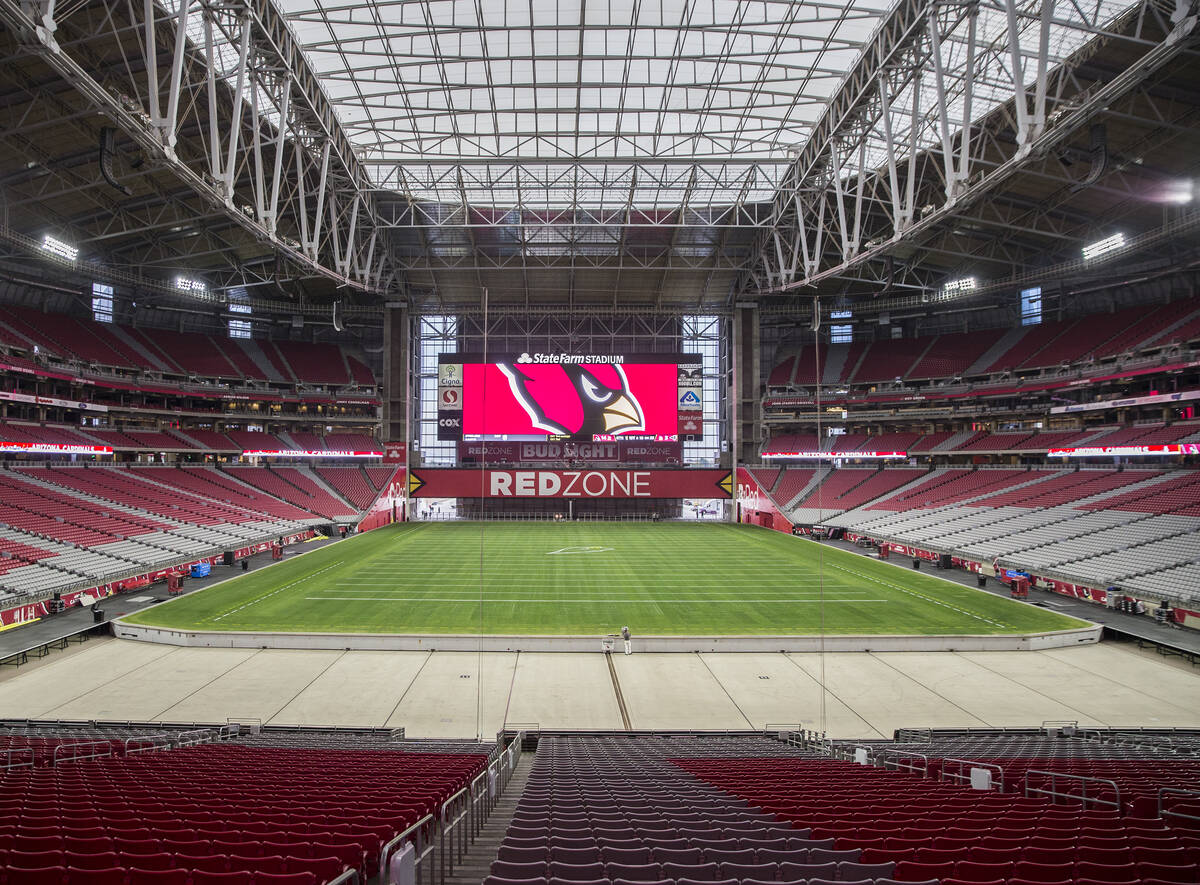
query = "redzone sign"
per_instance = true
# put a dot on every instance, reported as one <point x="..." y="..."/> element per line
<point x="570" y="484"/>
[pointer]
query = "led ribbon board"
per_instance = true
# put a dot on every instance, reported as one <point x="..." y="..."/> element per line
<point x="836" y="456"/>
<point x="307" y="453"/>
<point x="55" y="448"/>
<point x="1168" y="450"/>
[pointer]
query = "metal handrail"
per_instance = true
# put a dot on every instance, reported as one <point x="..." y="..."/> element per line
<point x="153" y="742"/>
<point x="11" y="751"/>
<point x="253" y="723"/>
<point x="1163" y="812"/>
<point x="349" y="877"/>
<point x="882" y="761"/>
<point x="782" y="731"/>
<point x="76" y="756"/>
<point x="959" y="776"/>
<point x="1061" y="725"/>
<point x="454" y="809"/>
<point x="228" y="732"/>
<point x="422" y="846"/>
<point x="196" y="736"/>
<point x="1084" y="799"/>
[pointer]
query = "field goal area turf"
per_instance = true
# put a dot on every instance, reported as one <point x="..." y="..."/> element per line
<point x="591" y="579"/>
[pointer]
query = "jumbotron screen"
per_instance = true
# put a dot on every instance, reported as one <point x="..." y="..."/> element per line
<point x="593" y="397"/>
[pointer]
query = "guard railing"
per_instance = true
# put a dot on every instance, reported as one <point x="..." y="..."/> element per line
<point x="1164" y="812"/>
<point x="959" y="770"/>
<point x="13" y="755"/>
<point x="79" y="751"/>
<point x="147" y="743"/>
<point x="906" y="760"/>
<point x="423" y="835"/>
<point x="1082" y="797"/>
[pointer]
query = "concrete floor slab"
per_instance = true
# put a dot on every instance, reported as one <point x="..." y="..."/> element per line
<point x="257" y="688"/>
<point x="1086" y="693"/>
<point x="445" y="700"/>
<point x="787" y="696"/>
<point x="35" y="690"/>
<point x="674" y="691"/>
<point x="148" y="692"/>
<point x="884" y="697"/>
<point x="438" y="694"/>
<point x="361" y="688"/>
<point x="991" y="697"/>
<point x="564" y="691"/>
<point x="1175" y="690"/>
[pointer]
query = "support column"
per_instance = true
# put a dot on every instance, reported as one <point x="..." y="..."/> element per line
<point x="397" y="386"/>
<point x="747" y="406"/>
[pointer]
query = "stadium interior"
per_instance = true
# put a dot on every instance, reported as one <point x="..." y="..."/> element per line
<point x="752" y="442"/>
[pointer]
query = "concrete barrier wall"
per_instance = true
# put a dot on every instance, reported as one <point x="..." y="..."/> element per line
<point x="389" y="642"/>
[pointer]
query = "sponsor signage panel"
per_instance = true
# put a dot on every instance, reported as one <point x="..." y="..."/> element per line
<point x="1182" y="396"/>
<point x="394" y="452"/>
<point x="52" y="401"/>
<point x="588" y="483"/>
<point x="755" y="506"/>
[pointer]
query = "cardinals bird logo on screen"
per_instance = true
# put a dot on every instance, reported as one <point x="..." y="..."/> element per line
<point x="576" y="400"/>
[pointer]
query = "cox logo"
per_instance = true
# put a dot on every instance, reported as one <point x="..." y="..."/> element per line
<point x="448" y="422"/>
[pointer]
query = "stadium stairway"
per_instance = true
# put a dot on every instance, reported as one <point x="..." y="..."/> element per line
<point x="259" y="358"/>
<point x="835" y="362"/>
<point x="319" y="481"/>
<point x="817" y="478"/>
<point x="477" y="862"/>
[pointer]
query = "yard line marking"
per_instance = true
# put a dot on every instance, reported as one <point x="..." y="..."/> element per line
<point x="505" y="600"/>
<point x="280" y="590"/>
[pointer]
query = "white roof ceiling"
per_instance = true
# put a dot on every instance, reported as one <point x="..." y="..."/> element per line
<point x="590" y="105"/>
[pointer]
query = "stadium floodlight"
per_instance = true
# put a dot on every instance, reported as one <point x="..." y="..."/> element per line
<point x="59" y="249"/>
<point x="1182" y="191"/>
<point x="1103" y="247"/>
<point x="958" y="287"/>
<point x="192" y="287"/>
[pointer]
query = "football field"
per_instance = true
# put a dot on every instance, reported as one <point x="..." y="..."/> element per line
<point x="683" y="579"/>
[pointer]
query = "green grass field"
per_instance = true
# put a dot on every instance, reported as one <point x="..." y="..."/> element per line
<point x="593" y="578"/>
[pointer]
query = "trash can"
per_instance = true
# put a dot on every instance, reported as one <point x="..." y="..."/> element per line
<point x="97" y="615"/>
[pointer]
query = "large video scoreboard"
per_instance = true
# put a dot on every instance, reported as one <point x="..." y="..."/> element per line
<point x="585" y="397"/>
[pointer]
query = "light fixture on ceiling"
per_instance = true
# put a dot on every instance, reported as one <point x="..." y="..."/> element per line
<point x="1179" y="192"/>
<point x="192" y="287"/>
<point x="1103" y="247"/>
<point x="959" y="286"/>
<point x="59" y="249"/>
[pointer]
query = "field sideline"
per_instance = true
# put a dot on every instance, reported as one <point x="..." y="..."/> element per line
<point x="682" y="579"/>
